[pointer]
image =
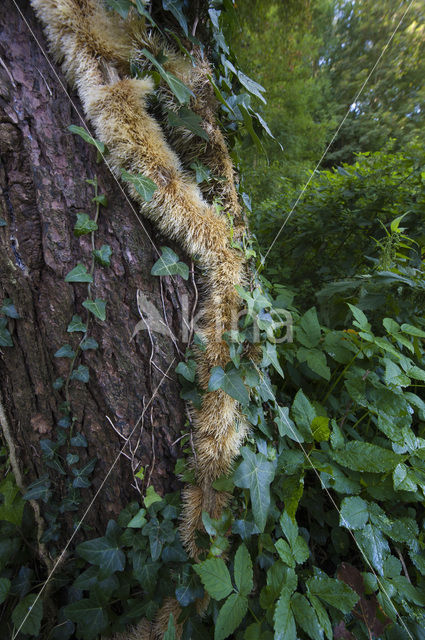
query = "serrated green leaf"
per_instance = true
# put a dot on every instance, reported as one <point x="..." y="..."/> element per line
<point x="306" y="616"/>
<point x="168" y="264"/>
<point x="79" y="274"/>
<point x="285" y="553"/>
<point x="103" y="255"/>
<point x="84" y="225"/>
<point x="144" y="186"/>
<point x="320" y="428"/>
<point x="308" y="331"/>
<point x="303" y="414"/>
<point x="96" y="307"/>
<point x="334" y="592"/>
<point x="215" y="577"/>
<point x="373" y="544"/>
<point x="230" y="616"/>
<point x="202" y="173"/>
<point x="230" y="381"/>
<point x="363" y="456"/>
<point x="28" y="613"/>
<point x="243" y="571"/>
<point x="256" y="473"/>
<point x="284" y="622"/>
<point x="354" y="513"/>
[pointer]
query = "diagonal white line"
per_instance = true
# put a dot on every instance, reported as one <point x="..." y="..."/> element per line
<point x="111" y="468"/>
<point x="324" y="488"/>
<point x="335" y="135"/>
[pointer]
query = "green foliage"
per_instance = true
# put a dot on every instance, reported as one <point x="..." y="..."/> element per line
<point x="168" y="264"/>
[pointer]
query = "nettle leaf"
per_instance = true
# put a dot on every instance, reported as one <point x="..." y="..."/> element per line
<point x="5" y="337"/>
<point x="79" y="274"/>
<point x="230" y="616"/>
<point x="308" y="331"/>
<point x="144" y="186"/>
<point x="103" y="255"/>
<point x="256" y="473"/>
<point x="104" y="553"/>
<point x="87" y="137"/>
<point x="179" y="89"/>
<point x="362" y="456"/>
<point x="306" y="616"/>
<point x="84" y="225"/>
<point x="96" y="307"/>
<point x="202" y="173"/>
<point x="169" y="265"/>
<point x="243" y="571"/>
<point x="76" y="324"/>
<point x="81" y="373"/>
<point x="31" y="608"/>
<point x="334" y="592"/>
<point x="230" y="381"/>
<point x="373" y="544"/>
<point x="66" y="351"/>
<point x="90" y="616"/>
<point x="354" y="513"/>
<point x="284" y="622"/>
<point x="9" y="309"/>
<point x="316" y="361"/>
<point x="215" y="577"/>
<point x="188" y="120"/>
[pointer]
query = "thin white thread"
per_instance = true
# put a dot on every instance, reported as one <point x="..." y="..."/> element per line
<point x="306" y="455"/>
<point x="58" y="561"/>
<point x="263" y="260"/>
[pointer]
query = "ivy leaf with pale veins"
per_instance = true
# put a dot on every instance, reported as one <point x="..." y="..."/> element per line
<point x="84" y="225"/>
<point x="256" y="473"/>
<point x="28" y="613"/>
<point x="103" y="255"/>
<point x="169" y="264"/>
<point x="79" y="274"/>
<point x="144" y="186"/>
<point x="90" y="616"/>
<point x="96" y="307"/>
<point x="231" y="382"/>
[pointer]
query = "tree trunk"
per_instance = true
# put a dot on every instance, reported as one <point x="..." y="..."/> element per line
<point x="43" y="174"/>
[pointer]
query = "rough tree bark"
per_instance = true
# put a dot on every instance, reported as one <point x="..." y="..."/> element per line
<point x="43" y="173"/>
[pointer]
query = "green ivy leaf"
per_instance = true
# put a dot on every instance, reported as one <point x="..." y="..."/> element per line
<point x="243" y="571"/>
<point x="187" y="370"/>
<point x="202" y="173"/>
<point x="215" y="577"/>
<point x="284" y="622"/>
<point x="39" y="490"/>
<point x="96" y="307"/>
<point x="230" y="616"/>
<point x="363" y="456"/>
<point x="30" y="608"/>
<point x="79" y="274"/>
<point x="144" y="186"/>
<point x="138" y="521"/>
<point x="89" y="343"/>
<point x="334" y="592"/>
<point x="231" y="382"/>
<point x="65" y="351"/>
<point x="103" y="255"/>
<point x="151" y="497"/>
<point x="168" y="265"/>
<point x="3" y="222"/>
<point x="103" y="553"/>
<point x="4" y="589"/>
<point x="5" y="337"/>
<point x="84" y="225"/>
<point x="90" y="616"/>
<point x="81" y="374"/>
<point x="76" y="324"/>
<point x="79" y="441"/>
<point x="9" y="309"/>
<point x="87" y="137"/>
<point x="256" y="473"/>
<point x="354" y="513"/>
<point x="188" y="120"/>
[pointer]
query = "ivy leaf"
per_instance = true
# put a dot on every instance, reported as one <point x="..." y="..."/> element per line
<point x="96" y="307"/>
<point x="144" y="186"/>
<point x="79" y="274"/>
<point x="151" y="497"/>
<point x="188" y="120"/>
<point x="81" y="475"/>
<point x="103" y="255"/>
<point x="179" y="89"/>
<point x="84" y="225"/>
<point x="90" y="616"/>
<point x="243" y="571"/>
<point x="354" y="513"/>
<point x="9" y="309"/>
<point x="81" y="374"/>
<point x="215" y="577"/>
<point x="4" y="589"/>
<point x="159" y="533"/>
<point x="187" y="370"/>
<point x="138" y="521"/>
<point x="89" y="343"/>
<point x="104" y="553"/>
<point x="87" y="137"/>
<point x="334" y="592"/>
<point x="76" y="324"/>
<point x="65" y="351"/>
<point x="169" y="264"/>
<point x="3" y="222"/>
<point x="231" y="382"/>
<point x="284" y="622"/>
<point x="202" y="173"/>
<point x="79" y="441"/>
<point x="363" y="456"/>
<point x="230" y="616"/>
<point x="39" y="490"/>
<point x="256" y="473"/>
<point x="30" y="608"/>
<point x="5" y="337"/>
